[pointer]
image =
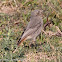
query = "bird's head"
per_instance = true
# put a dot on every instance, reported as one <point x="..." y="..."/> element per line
<point x="37" y="12"/>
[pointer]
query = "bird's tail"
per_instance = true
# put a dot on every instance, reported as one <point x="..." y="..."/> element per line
<point x="18" y="43"/>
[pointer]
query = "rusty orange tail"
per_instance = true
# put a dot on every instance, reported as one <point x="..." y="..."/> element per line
<point x="18" y="44"/>
<point x="20" y="41"/>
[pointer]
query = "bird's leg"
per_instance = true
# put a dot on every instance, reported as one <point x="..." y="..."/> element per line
<point x="31" y="45"/>
<point x="35" y="44"/>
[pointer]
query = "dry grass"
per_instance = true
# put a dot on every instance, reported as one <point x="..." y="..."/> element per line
<point x="14" y="16"/>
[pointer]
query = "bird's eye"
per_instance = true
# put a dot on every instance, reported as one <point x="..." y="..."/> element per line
<point x="38" y="12"/>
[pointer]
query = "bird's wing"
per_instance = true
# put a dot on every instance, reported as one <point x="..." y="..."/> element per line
<point x="33" y="26"/>
<point x="26" y="35"/>
<point x="28" y="32"/>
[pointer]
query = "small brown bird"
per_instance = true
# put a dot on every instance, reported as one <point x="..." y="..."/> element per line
<point x="33" y="28"/>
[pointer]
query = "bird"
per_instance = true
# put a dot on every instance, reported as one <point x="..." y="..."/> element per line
<point x="34" y="27"/>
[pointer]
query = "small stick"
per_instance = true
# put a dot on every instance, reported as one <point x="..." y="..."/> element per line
<point x="15" y="50"/>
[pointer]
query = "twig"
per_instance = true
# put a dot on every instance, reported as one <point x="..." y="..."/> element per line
<point x="50" y="33"/>
<point x="25" y="3"/>
<point x="15" y="3"/>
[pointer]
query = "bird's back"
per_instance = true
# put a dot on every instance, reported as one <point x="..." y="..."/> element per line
<point x="34" y="22"/>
